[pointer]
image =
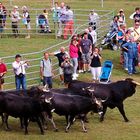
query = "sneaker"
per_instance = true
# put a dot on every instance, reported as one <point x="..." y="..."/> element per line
<point x="126" y="69"/>
<point x="74" y="78"/>
<point x="129" y="73"/>
<point x="27" y="37"/>
<point x="76" y="75"/>
<point x="80" y="71"/>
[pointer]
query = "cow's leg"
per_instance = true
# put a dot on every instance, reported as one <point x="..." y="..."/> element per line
<point x="121" y="109"/>
<point x="43" y="119"/>
<point x="40" y="125"/>
<point x="53" y="123"/>
<point x="2" y="118"/>
<point x="102" y="115"/>
<point x="21" y="123"/>
<point x="70" y="121"/>
<point x="83" y="124"/>
<point x="26" y="125"/>
<point x="6" y="122"/>
<point x="67" y="117"/>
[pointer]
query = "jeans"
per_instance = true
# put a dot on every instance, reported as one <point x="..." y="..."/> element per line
<point x="75" y="64"/>
<point x="125" y="55"/>
<point x="131" y="65"/>
<point x="20" y="81"/>
<point x="48" y="81"/>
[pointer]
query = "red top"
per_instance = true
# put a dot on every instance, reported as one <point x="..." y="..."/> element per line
<point x="139" y="48"/>
<point x="73" y="51"/>
<point x="3" y="68"/>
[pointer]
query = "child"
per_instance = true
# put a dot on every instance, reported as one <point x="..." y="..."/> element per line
<point x="95" y="64"/>
<point x="68" y="70"/>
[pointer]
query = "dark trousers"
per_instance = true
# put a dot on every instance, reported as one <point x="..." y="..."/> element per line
<point x="15" y="28"/>
<point x="48" y="81"/>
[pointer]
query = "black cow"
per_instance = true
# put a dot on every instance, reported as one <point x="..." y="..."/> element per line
<point x="23" y="107"/>
<point x="115" y="93"/>
<point x="72" y="105"/>
<point x="35" y="92"/>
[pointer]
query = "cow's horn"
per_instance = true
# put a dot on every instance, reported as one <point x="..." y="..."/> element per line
<point x="136" y="83"/>
<point x="104" y="100"/>
<point x="91" y="90"/>
<point x="48" y="100"/>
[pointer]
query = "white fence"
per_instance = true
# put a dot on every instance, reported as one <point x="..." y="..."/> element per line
<point x="35" y="57"/>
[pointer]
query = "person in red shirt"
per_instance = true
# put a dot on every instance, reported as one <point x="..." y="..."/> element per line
<point x="3" y="70"/>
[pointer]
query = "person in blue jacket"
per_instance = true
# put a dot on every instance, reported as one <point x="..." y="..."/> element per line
<point x="132" y="49"/>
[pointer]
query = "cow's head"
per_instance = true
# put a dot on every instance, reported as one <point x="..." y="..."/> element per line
<point x="130" y="85"/>
<point x="98" y="101"/>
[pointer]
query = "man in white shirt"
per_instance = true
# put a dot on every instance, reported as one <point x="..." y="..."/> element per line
<point x="93" y="35"/>
<point x="19" y="70"/>
<point x="93" y="19"/>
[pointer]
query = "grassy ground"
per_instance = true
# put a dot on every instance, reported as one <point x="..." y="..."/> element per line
<point x="113" y="127"/>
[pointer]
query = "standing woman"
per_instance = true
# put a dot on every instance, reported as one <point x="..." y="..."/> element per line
<point x="73" y="51"/>
<point x="3" y="71"/>
<point x="95" y="65"/>
<point x="26" y="20"/>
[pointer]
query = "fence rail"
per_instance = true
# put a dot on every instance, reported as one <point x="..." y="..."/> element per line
<point x="35" y="57"/>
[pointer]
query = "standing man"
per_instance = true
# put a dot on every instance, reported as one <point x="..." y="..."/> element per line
<point x="86" y="49"/>
<point x="19" y="70"/>
<point x="15" y="20"/>
<point x="62" y="18"/>
<point x="61" y="57"/>
<point x="93" y="19"/>
<point x="3" y="71"/>
<point x="93" y="35"/>
<point x="69" y="25"/>
<point x="46" y="70"/>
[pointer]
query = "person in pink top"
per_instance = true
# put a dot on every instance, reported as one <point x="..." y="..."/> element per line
<point x="73" y="51"/>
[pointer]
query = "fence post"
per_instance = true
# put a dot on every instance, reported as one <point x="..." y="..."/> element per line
<point x="10" y="1"/>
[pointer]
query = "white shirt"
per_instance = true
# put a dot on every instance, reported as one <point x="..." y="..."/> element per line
<point x="93" y="17"/>
<point x="19" y="67"/>
<point x="94" y="36"/>
<point x="15" y="16"/>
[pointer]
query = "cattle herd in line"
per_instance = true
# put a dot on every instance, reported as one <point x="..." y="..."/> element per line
<point x="37" y="104"/>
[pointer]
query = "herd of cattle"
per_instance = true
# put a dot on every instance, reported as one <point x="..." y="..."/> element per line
<point x="37" y="104"/>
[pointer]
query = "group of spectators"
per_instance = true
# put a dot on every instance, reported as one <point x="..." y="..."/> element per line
<point x="128" y="40"/>
<point x="62" y="16"/>
<point x="83" y="56"/>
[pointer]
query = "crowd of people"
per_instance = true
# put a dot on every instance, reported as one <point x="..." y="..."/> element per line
<point x="62" y="17"/>
<point x="83" y="55"/>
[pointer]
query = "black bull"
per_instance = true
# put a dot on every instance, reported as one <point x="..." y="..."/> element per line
<point x="72" y="105"/>
<point x="23" y="107"/>
<point x="115" y="93"/>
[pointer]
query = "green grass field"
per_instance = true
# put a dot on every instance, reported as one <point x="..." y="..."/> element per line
<point x="113" y="128"/>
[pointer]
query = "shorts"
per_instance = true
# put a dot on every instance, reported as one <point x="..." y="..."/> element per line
<point x="86" y="58"/>
<point x="1" y="80"/>
<point x="61" y="71"/>
<point x="67" y="78"/>
<point x="28" y="26"/>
